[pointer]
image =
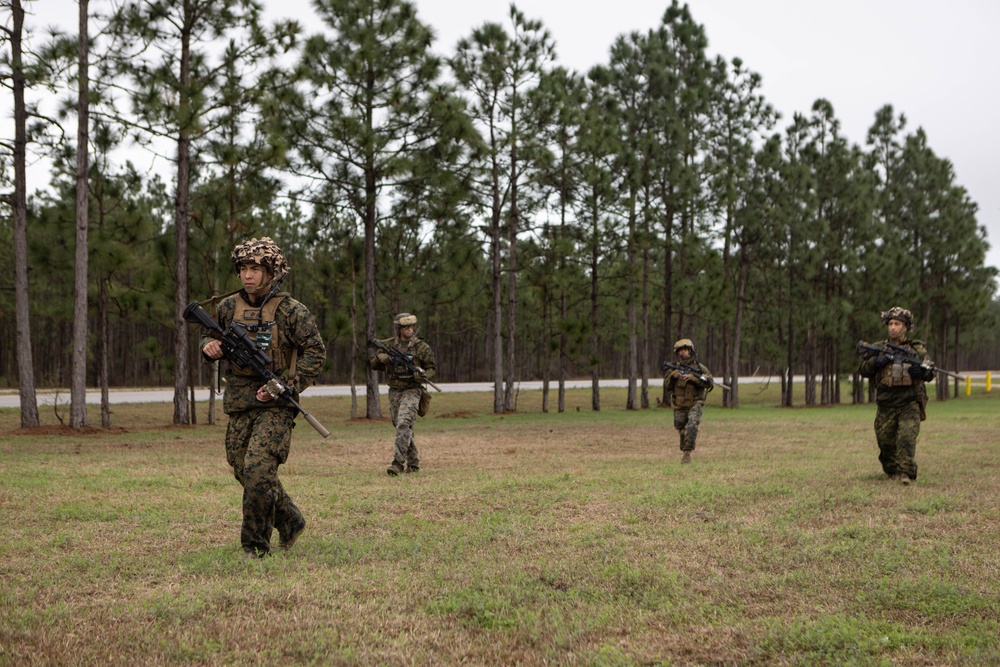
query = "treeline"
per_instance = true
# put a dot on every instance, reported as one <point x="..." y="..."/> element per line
<point x="542" y="223"/>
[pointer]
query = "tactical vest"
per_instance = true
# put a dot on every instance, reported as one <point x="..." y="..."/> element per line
<point x="687" y="392"/>
<point x="262" y="326"/>
<point x="897" y="374"/>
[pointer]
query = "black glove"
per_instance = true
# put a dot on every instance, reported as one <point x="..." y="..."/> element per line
<point x="883" y="360"/>
<point x="921" y="373"/>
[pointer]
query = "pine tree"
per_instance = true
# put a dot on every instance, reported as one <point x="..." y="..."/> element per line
<point x="369" y="112"/>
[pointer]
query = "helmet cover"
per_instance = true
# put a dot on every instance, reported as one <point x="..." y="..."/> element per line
<point x="404" y="319"/>
<point x="898" y="313"/>
<point x="263" y="251"/>
<point x="684" y="342"/>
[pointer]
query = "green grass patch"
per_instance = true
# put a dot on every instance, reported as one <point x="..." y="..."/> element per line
<point x="532" y="538"/>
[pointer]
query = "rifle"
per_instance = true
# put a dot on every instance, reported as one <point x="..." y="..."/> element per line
<point x="901" y="354"/>
<point x="400" y="358"/>
<point x="695" y="371"/>
<point x="243" y="351"/>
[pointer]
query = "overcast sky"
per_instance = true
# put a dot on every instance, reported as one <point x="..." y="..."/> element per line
<point x="937" y="63"/>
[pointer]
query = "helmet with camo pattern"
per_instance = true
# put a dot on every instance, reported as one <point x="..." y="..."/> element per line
<point x="898" y="313"/>
<point x="263" y="251"/>
<point x="684" y="342"/>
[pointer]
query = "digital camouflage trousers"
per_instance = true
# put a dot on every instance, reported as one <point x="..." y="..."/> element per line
<point x="257" y="442"/>
<point x="687" y="421"/>
<point x="403" y="404"/>
<point x="896" y="430"/>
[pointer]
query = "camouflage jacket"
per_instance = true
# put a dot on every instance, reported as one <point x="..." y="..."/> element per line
<point x="297" y="331"/>
<point x="894" y="386"/>
<point x="686" y="392"/>
<point x="398" y="376"/>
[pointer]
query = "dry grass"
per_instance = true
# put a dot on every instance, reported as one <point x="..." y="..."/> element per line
<point x="528" y="538"/>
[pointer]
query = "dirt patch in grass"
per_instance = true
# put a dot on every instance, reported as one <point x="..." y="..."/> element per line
<point x="461" y="414"/>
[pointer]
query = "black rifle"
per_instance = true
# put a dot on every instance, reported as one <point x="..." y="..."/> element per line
<point x="243" y="351"/>
<point x="400" y="358"/>
<point x="688" y="369"/>
<point x="903" y="355"/>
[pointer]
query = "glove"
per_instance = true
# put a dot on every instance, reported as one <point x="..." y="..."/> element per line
<point x="920" y="373"/>
<point x="383" y="358"/>
<point x="882" y="360"/>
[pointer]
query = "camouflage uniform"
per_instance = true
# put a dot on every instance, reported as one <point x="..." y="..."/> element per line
<point x="404" y="396"/>
<point x="688" y="398"/>
<point x="259" y="433"/>
<point x="901" y="398"/>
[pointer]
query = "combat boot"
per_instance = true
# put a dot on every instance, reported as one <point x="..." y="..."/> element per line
<point x="394" y="469"/>
<point x="288" y="541"/>
<point x="686" y="458"/>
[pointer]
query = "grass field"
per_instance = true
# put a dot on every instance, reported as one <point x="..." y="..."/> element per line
<point x="529" y="538"/>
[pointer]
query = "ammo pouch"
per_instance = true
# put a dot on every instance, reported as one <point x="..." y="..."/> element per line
<point x="425" y="402"/>
<point x="895" y="375"/>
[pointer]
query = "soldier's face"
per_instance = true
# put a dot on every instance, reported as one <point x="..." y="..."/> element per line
<point x="254" y="277"/>
<point x="896" y="329"/>
<point x="684" y="353"/>
<point x="406" y="332"/>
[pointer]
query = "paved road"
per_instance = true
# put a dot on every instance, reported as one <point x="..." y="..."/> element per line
<point x="10" y="398"/>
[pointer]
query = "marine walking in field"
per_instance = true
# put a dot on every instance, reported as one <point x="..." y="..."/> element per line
<point x="259" y="434"/>
<point x="687" y="383"/>
<point x="899" y="368"/>
<point x="408" y="362"/>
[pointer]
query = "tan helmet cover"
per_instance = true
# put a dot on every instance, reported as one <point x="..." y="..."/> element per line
<point x="898" y="313"/>
<point x="404" y="319"/>
<point x="263" y="251"/>
<point x="684" y="342"/>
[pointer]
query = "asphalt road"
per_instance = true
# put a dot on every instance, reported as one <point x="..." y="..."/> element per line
<point x="11" y="399"/>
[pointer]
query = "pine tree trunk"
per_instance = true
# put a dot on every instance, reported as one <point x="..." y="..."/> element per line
<point x="25" y="366"/>
<point x="78" y="388"/>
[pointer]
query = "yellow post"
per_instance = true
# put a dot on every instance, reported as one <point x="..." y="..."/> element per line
<point x="989" y="381"/>
<point x="968" y="386"/>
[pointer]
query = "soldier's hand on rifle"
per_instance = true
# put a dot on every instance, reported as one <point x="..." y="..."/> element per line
<point x="263" y="395"/>
<point x="920" y="373"/>
<point x="212" y="349"/>
<point x="383" y="358"/>
<point x="883" y="360"/>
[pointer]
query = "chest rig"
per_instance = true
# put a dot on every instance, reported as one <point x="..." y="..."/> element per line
<point x="399" y="370"/>
<point x="262" y="327"/>
<point x="687" y="393"/>
<point x="896" y="374"/>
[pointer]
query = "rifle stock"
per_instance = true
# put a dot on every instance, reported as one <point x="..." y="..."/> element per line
<point x="241" y="350"/>
<point x="400" y="358"/>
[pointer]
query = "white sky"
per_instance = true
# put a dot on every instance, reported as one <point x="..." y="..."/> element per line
<point x="938" y="63"/>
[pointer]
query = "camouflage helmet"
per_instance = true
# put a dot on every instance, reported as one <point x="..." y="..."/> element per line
<point x="404" y="319"/>
<point x="684" y="342"/>
<point x="898" y="313"/>
<point x="263" y="251"/>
